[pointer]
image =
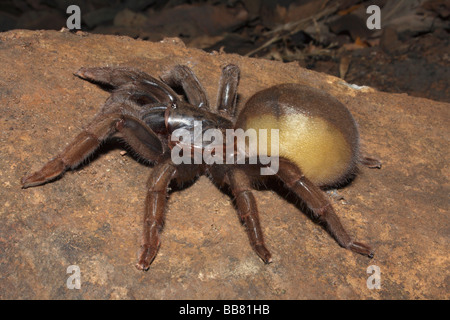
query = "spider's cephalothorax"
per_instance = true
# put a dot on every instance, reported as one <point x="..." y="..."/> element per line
<point x="318" y="143"/>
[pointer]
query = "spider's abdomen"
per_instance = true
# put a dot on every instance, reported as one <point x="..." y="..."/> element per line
<point x="316" y="131"/>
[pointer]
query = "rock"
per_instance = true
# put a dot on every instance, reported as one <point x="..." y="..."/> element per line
<point x="91" y="217"/>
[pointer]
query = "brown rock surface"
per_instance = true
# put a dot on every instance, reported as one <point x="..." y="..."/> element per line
<point x="92" y="216"/>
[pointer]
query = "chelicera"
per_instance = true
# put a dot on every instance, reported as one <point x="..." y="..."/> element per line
<point x="318" y="143"/>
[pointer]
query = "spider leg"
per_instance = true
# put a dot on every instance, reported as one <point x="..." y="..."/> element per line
<point x="316" y="200"/>
<point x="132" y="130"/>
<point x="80" y="148"/>
<point x="248" y="212"/>
<point x="227" y="96"/>
<point x="155" y="205"/>
<point x="141" y="139"/>
<point x="371" y="162"/>
<point x="121" y="76"/>
<point x="183" y="76"/>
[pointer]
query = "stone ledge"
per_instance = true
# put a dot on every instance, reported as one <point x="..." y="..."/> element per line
<point x="92" y="217"/>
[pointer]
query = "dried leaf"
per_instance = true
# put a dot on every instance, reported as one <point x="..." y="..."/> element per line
<point x="343" y="66"/>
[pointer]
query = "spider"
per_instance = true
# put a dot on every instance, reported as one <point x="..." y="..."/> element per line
<point x="318" y="144"/>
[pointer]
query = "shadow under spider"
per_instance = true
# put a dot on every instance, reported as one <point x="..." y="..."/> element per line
<point x="275" y="185"/>
<point x="266" y="184"/>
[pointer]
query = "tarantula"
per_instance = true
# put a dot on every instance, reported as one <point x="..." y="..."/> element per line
<point x="318" y="143"/>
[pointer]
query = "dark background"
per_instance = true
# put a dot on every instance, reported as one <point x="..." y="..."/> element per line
<point x="409" y="54"/>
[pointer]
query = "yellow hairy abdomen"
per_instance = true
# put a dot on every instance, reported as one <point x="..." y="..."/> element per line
<point x="317" y="147"/>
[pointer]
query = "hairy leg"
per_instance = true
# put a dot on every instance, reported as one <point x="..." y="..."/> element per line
<point x="133" y="131"/>
<point x="371" y="162"/>
<point x="79" y="149"/>
<point x="228" y="85"/>
<point x="183" y="76"/>
<point x="248" y="212"/>
<point x="316" y="200"/>
<point x="155" y="205"/>
<point x="116" y="77"/>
